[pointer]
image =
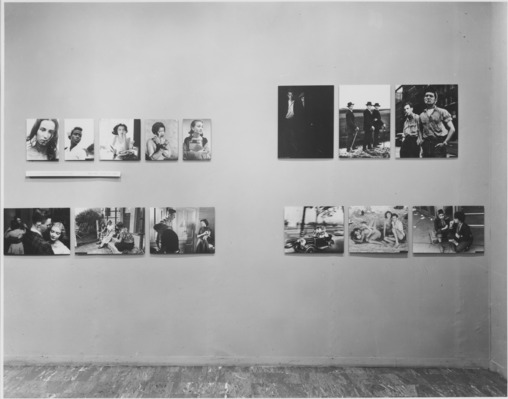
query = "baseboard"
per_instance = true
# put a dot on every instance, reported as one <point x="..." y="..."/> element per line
<point x="496" y="367"/>
<point x="249" y="361"/>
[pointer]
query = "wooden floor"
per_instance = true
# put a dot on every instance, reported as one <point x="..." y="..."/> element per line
<point x="190" y="382"/>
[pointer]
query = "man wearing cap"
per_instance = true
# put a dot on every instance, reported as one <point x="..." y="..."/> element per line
<point x="351" y="127"/>
<point x="74" y="152"/>
<point x="410" y="147"/>
<point x="368" y="127"/>
<point x="378" y="123"/>
<point x="435" y="134"/>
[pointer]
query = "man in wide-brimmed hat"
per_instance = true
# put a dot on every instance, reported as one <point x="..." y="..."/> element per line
<point x="368" y="127"/>
<point x="351" y="127"/>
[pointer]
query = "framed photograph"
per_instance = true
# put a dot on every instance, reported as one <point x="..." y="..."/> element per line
<point x="109" y="231"/>
<point x="37" y="231"/>
<point x="197" y="142"/>
<point x="161" y="139"/>
<point x="305" y="122"/>
<point x="79" y="139"/>
<point x="447" y="229"/>
<point x="378" y="229"/>
<point x="182" y="230"/>
<point x="313" y="229"/>
<point x="42" y="139"/>
<point x="364" y="121"/>
<point x="426" y="121"/>
<point x="120" y="139"/>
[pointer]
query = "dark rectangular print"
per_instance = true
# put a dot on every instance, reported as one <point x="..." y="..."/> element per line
<point x="37" y="231"/>
<point x="305" y="122"/>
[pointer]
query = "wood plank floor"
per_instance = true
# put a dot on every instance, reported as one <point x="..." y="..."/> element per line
<point x="229" y="382"/>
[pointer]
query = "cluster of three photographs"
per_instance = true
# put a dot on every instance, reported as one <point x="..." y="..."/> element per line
<point x="119" y="139"/>
<point x="426" y="121"/>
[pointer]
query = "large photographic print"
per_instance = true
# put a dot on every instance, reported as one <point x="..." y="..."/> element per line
<point x="187" y="230"/>
<point x="120" y="139"/>
<point x="42" y="139"/>
<point x="427" y="123"/>
<point x="313" y="229"/>
<point x="364" y="121"/>
<point x="305" y="122"/>
<point x="37" y="231"/>
<point x="448" y="229"/>
<point x="378" y="229"/>
<point x="110" y="231"/>
<point x="161" y="137"/>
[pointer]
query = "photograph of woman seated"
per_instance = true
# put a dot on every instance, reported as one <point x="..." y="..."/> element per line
<point x="42" y="140"/>
<point x="119" y="139"/>
<point x="196" y="146"/>
<point x="162" y="143"/>
<point x="182" y="230"/>
<point x="378" y="229"/>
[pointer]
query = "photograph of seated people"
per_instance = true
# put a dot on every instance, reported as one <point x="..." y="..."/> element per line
<point x="197" y="146"/>
<point x="448" y="229"/>
<point x="110" y="231"/>
<point x="162" y="139"/>
<point x="182" y="230"/>
<point x="119" y="139"/>
<point x="426" y="121"/>
<point x="378" y="229"/>
<point x="79" y="139"/>
<point x="38" y="231"/>
<point x="42" y="140"/>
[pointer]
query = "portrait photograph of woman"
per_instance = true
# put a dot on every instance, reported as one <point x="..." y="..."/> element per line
<point x="161" y="139"/>
<point x="120" y="139"/>
<point x="197" y="142"/>
<point x="79" y="139"/>
<point x="42" y="139"/>
<point x="182" y="230"/>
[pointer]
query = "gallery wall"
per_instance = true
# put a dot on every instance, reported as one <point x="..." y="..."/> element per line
<point x="250" y="303"/>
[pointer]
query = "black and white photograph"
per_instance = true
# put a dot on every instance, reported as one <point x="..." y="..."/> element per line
<point x="42" y="139"/>
<point x="185" y="230"/>
<point x="426" y="121"/>
<point x="378" y="229"/>
<point x="120" y="139"/>
<point x="313" y="229"/>
<point x="364" y="121"/>
<point x="448" y="229"/>
<point x="109" y="231"/>
<point x="305" y="122"/>
<point x="37" y="231"/>
<point x="79" y="139"/>
<point x="197" y="139"/>
<point x="161" y="139"/>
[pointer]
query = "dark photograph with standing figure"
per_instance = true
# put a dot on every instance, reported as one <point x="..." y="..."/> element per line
<point x="161" y="137"/>
<point x="120" y="139"/>
<point x="42" y="139"/>
<point x="378" y="229"/>
<point x="448" y="229"/>
<point x="109" y="231"/>
<point x="364" y="121"/>
<point x="426" y="121"/>
<point x="37" y="231"/>
<point x="313" y="229"/>
<point x="197" y="142"/>
<point x="182" y="230"/>
<point x="305" y="122"/>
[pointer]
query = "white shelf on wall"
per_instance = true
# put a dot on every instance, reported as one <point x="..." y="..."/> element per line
<point x="73" y="174"/>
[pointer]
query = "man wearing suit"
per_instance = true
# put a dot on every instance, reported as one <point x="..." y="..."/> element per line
<point x="378" y="123"/>
<point x="351" y="128"/>
<point x="368" y="127"/>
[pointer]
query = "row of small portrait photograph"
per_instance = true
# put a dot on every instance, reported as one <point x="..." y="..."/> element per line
<point x="189" y="230"/>
<point x="426" y="121"/>
<point x="119" y="139"/>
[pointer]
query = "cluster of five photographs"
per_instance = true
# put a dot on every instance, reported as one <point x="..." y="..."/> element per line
<point x="441" y="229"/>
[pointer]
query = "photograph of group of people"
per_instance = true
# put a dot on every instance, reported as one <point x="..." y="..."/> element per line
<point x="378" y="229"/>
<point x="448" y="229"/>
<point x="36" y="231"/>
<point x="109" y="231"/>
<point x="119" y="139"/>
<point x="182" y="230"/>
<point x="364" y="121"/>
<point x="313" y="229"/>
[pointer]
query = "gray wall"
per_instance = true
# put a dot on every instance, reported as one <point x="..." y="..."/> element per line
<point x="249" y="303"/>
